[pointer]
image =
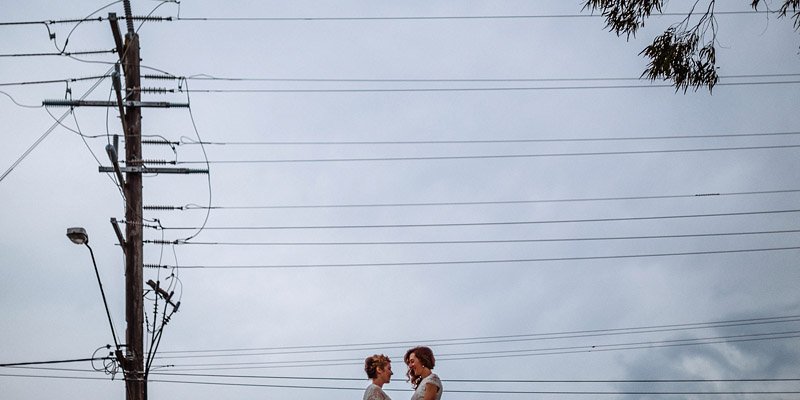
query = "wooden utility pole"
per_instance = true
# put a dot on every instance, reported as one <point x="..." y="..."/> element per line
<point x="130" y="109"/>
<point x="133" y="364"/>
<point x="134" y="260"/>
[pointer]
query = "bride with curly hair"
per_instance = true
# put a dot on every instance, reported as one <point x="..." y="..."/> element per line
<point x="378" y="368"/>
<point x="426" y="384"/>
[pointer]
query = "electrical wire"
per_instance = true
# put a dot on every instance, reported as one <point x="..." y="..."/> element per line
<point x="230" y="384"/>
<point x="63" y="53"/>
<point x="187" y="141"/>
<point x="473" y="203"/>
<point x="18" y="103"/>
<point x="485" y="261"/>
<point x="488" y="241"/>
<point x="553" y="392"/>
<point x="85" y="19"/>
<point x="149" y="17"/>
<point x="618" y="346"/>
<point x="208" y="168"/>
<point x="482" y="89"/>
<point x="486" y="156"/>
<point x="83" y="137"/>
<point x="53" y="22"/>
<point x="49" y="362"/>
<point x="207" y="77"/>
<point x="439" y="343"/>
<point x="593" y="393"/>
<point x="51" y="81"/>
<point x="436" y="18"/>
<point x="481" y="355"/>
<point x="537" y="336"/>
<point x="48" y="131"/>
<point x="494" y="223"/>
<point x="386" y="18"/>
<point x="447" y="380"/>
<point x="54" y="377"/>
<point x="158" y="331"/>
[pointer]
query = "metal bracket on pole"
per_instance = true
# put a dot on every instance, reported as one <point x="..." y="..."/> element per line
<point x="163" y="293"/>
<point x="112" y="19"/>
<point x="121" y="238"/>
<point x="112" y="155"/>
<point x="118" y="90"/>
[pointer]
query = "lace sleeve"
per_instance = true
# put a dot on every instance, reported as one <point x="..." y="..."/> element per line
<point x="433" y="379"/>
<point x="375" y="393"/>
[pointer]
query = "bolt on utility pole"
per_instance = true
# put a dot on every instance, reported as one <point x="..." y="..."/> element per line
<point x="135" y="385"/>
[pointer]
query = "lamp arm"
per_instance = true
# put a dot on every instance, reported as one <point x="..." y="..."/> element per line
<point x="103" y="293"/>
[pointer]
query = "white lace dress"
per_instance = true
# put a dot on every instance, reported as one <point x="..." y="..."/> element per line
<point x="374" y="392"/>
<point x="433" y="379"/>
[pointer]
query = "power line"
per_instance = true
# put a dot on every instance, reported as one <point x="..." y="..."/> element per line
<point x="490" y="391"/>
<point x="448" y="380"/>
<point x="496" y="223"/>
<point x="74" y="360"/>
<point x="470" y="262"/>
<point x="49" y="22"/>
<point x="50" y="130"/>
<point x="479" y="141"/>
<point x="353" y="18"/>
<point x="18" y="104"/>
<point x="82" y="20"/>
<point x="317" y="378"/>
<point x="546" y="335"/>
<point x="488" y="241"/>
<point x="478" y="89"/>
<point x="466" y="341"/>
<point x="44" y="82"/>
<point x="60" y="53"/>
<point x="435" y="18"/>
<point x="485" y="156"/>
<point x="55" y="377"/>
<point x="478" y="355"/>
<point x="205" y="77"/>
<point x="621" y="346"/>
<point x="472" y="203"/>
<point x="234" y="384"/>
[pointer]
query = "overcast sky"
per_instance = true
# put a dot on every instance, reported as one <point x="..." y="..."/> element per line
<point x="502" y="189"/>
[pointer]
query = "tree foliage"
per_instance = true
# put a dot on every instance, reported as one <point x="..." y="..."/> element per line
<point x="685" y="52"/>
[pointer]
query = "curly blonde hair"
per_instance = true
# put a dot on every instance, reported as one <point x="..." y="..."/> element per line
<point x="373" y="362"/>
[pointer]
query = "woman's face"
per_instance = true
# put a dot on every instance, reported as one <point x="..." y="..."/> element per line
<point x="385" y="374"/>
<point x="414" y="364"/>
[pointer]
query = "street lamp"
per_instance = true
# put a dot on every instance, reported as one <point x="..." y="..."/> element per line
<point x="78" y="236"/>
